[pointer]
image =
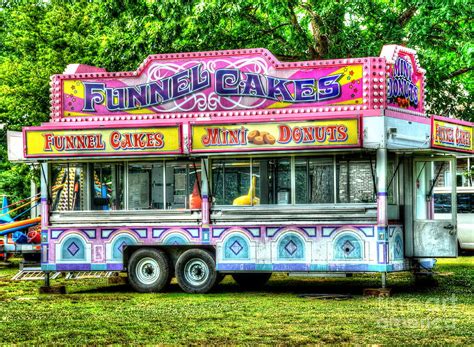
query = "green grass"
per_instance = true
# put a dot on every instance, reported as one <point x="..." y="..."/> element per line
<point x="94" y="312"/>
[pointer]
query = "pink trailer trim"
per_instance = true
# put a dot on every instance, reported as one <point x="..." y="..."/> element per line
<point x="452" y="120"/>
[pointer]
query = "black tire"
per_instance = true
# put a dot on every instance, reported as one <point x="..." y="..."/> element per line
<point x="149" y="270"/>
<point x="196" y="271"/>
<point x="252" y="280"/>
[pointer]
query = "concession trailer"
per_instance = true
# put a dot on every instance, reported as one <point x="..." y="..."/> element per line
<point x="198" y="165"/>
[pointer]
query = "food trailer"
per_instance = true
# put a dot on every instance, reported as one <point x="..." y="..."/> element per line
<point x="198" y="165"/>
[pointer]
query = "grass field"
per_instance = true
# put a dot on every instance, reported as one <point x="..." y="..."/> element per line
<point x="94" y="312"/>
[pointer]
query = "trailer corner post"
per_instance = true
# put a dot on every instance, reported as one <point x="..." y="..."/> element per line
<point x="45" y="200"/>
<point x="44" y="196"/>
<point x="382" y="218"/>
<point x="205" y="193"/>
<point x="46" y="279"/>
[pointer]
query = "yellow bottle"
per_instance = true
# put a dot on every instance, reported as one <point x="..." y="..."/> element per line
<point x="250" y="198"/>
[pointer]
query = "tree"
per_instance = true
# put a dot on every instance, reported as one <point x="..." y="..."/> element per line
<point x="41" y="37"/>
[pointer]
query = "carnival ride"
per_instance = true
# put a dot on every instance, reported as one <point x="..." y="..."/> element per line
<point x="19" y="236"/>
<point x="23" y="236"/>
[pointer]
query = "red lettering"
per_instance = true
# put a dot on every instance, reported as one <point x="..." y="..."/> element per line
<point x="138" y="140"/>
<point x="320" y="134"/>
<point x="81" y="142"/>
<point x="115" y="139"/>
<point x="285" y="134"/>
<point x="308" y="134"/>
<point x="91" y="141"/>
<point x="297" y="135"/>
<point x="243" y="136"/>
<point x="212" y="137"/>
<point x="444" y="134"/>
<point x="127" y="141"/>
<point x="234" y="136"/>
<point x="331" y="131"/>
<point x="342" y="133"/>
<point x="463" y="138"/>
<point x="159" y="140"/>
<point x="48" y="140"/>
<point x="69" y="142"/>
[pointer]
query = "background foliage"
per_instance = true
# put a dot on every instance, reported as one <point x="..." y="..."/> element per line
<point x="39" y="38"/>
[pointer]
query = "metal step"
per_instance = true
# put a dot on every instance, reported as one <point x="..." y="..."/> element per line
<point x="25" y="265"/>
<point x="36" y="274"/>
<point x="89" y="274"/>
<point x="33" y="274"/>
<point x="319" y="274"/>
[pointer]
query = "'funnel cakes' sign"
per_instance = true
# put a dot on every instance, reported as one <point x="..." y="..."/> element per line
<point x="452" y="134"/>
<point x="102" y="142"/>
<point x="209" y="82"/>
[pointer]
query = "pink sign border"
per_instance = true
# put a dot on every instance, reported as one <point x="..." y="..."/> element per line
<point x="452" y="121"/>
<point x="275" y="148"/>
<point x="371" y="66"/>
<point x="108" y="126"/>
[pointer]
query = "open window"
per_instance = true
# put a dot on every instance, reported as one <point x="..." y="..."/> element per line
<point x="107" y="186"/>
<point x="67" y="190"/>
<point x="164" y="185"/>
<point x="148" y="185"/>
<point x="295" y="181"/>
<point x="145" y="186"/>
<point x="250" y="182"/>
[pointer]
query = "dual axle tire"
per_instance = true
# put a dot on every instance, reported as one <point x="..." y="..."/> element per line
<point x="196" y="271"/>
<point x="149" y="270"/>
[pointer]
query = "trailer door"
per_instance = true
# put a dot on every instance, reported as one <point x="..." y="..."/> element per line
<point x="435" y="233"/>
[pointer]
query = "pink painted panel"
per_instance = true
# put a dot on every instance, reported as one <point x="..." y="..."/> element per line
<point x="210" y="82"/>
<point x="405" y="81"/>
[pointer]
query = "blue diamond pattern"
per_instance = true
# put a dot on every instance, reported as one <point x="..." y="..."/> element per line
<point x="73" y="248"/>
<point x="121" y="246"/>
<point x="291" y="247"/>
<point x="398" y="247"/>
<point x="348" y="247"/>
<point x="236" y="247"/>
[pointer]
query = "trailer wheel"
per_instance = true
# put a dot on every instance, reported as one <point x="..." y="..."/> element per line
<point x="252" y="280"/>
<point x="148" y="270"/>
<point x="196" y="271"/>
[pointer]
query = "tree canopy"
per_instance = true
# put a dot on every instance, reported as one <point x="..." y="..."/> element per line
<point x="39" y="38"/>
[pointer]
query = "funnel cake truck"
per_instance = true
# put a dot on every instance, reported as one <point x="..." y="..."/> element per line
<point x="198" y="165"/>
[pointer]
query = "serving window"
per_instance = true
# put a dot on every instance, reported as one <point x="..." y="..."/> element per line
<point x="126" y="186"/>
<point x="67" y="191"/>
<point x="244" y="182"/>
<point x="295" y="181"/>
<point x="106" y="182"/>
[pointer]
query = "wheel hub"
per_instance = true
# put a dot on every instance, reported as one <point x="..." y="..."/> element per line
<point x="148" y="270"/>
<point x="196" y="272"/>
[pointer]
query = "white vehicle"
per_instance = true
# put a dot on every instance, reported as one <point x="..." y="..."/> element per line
<point x="465" y="213"/>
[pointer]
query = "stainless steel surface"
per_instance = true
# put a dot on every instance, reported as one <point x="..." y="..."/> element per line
<point x="295" y="214"/>
<point x="432" y="239"/>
